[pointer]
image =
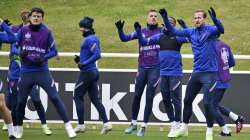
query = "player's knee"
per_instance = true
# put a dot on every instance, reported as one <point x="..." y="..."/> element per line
<point x="96" y="102"/>
<point x="149" y="97"/>
<point x="2" y="103"/>
<point x="36" y="99"/>
<point x="187" y="101"/>
<point x="55" y="99"/>
<point x="137" y="96"/>
<point x="37" y="103"/>
<point x="208" y="107"/>
<point x="77" y="98"/>
<point x="176" y="102"/>
<point x="1" y="107"/>
<point x="166" y="102"/>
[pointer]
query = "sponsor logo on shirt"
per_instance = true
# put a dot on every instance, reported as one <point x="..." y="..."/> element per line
<point x="32" y="48"/>
<point x="152" y="47"/>
<point x="224" y="57"/>
<point x="27" y="36"/>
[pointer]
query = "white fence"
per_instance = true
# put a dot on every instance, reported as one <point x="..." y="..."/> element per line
<point x="134" y="55"/>
<point x="129" y="55"/>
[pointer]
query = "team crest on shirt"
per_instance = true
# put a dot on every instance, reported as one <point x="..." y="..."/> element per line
<point x="27" y="35"/>
<point x="224" y="55"/>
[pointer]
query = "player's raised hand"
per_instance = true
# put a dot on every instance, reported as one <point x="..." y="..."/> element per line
<point x="212" y="13"/>
<point x="182" y="23"/>
<point x="163" y="12"/>
<point x="119" y="24"/>
<point x="7" y="21"/>
<point x="137" y="26"/>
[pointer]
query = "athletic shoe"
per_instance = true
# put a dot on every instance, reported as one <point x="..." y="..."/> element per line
<point x="70" y="131"/>
<point x="181" y="133"/>
<point x="209" y="136"/>
<point x="106" y="129"/>
<point x="172" y="133"/>
<point x="46" y="130"/>
<point x="130" y="129"/>
<point x="225" y="134"/>
<point x="4" y="128"/>
<point x="11" y="137"/>
<point x="80" y="129"/>
<point x="141" y="132"/>
<point x="19" y="132"/>
<point x="239" y="123"/>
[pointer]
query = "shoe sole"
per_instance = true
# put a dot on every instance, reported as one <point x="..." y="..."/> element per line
<point x="80" y="131"/>
<point x="72" y="137"/>
<point x="48" y="134"/>
<point x="130" y="132"/>
<point x="106" y="132"/>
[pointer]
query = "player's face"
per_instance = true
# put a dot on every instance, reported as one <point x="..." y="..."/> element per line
<point x="25" y="18"/>
<point x="171" y="22"/>
<point x="83" y="30"/>
<point x="36" y="18"/>
<point x="152" y="18"/>
<point x="199" y="20"/>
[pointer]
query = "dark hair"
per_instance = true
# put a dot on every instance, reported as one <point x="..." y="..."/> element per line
<point x="86" y="22"/>
<point x="38" y="10"/>
<point x="202" y="11"/>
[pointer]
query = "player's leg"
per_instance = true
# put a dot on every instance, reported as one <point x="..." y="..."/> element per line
<point x="175" y="94"/>
<point x="6" y="114"/>
<point x="35" y="97"/>
<point x="45" y="80"/>
<point x="11" y="100"/>
<point x="208" y="81"/>
<point x="153" y="77"/>
<point x="193" y="88"/>
<point x="140" y="82"/>
<point x="165" y="91"/>
<point x="8" y="104"/>
<point x="80" y="90"/>
<point x="13" y="92"/>
<point x="218" y="95"/>
<point x="24" y="85"/>
<point x="94" y="97"/>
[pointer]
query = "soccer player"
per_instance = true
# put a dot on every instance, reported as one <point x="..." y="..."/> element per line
<point x="6" y="37"/>
<point x="13" y="76"/>
<point x="205" y="67"/>
<point x="89" y="75"/>
<point x="148" y="70"/>
<point x="170" y="71"/>
<point x="225" y="61"/>
<point x="223" y="84"/>
<point x="37" y="47"/>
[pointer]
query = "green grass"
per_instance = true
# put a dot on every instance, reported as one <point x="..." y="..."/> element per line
<point x="62" y="17"/>
<point x="195" y="133"/>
